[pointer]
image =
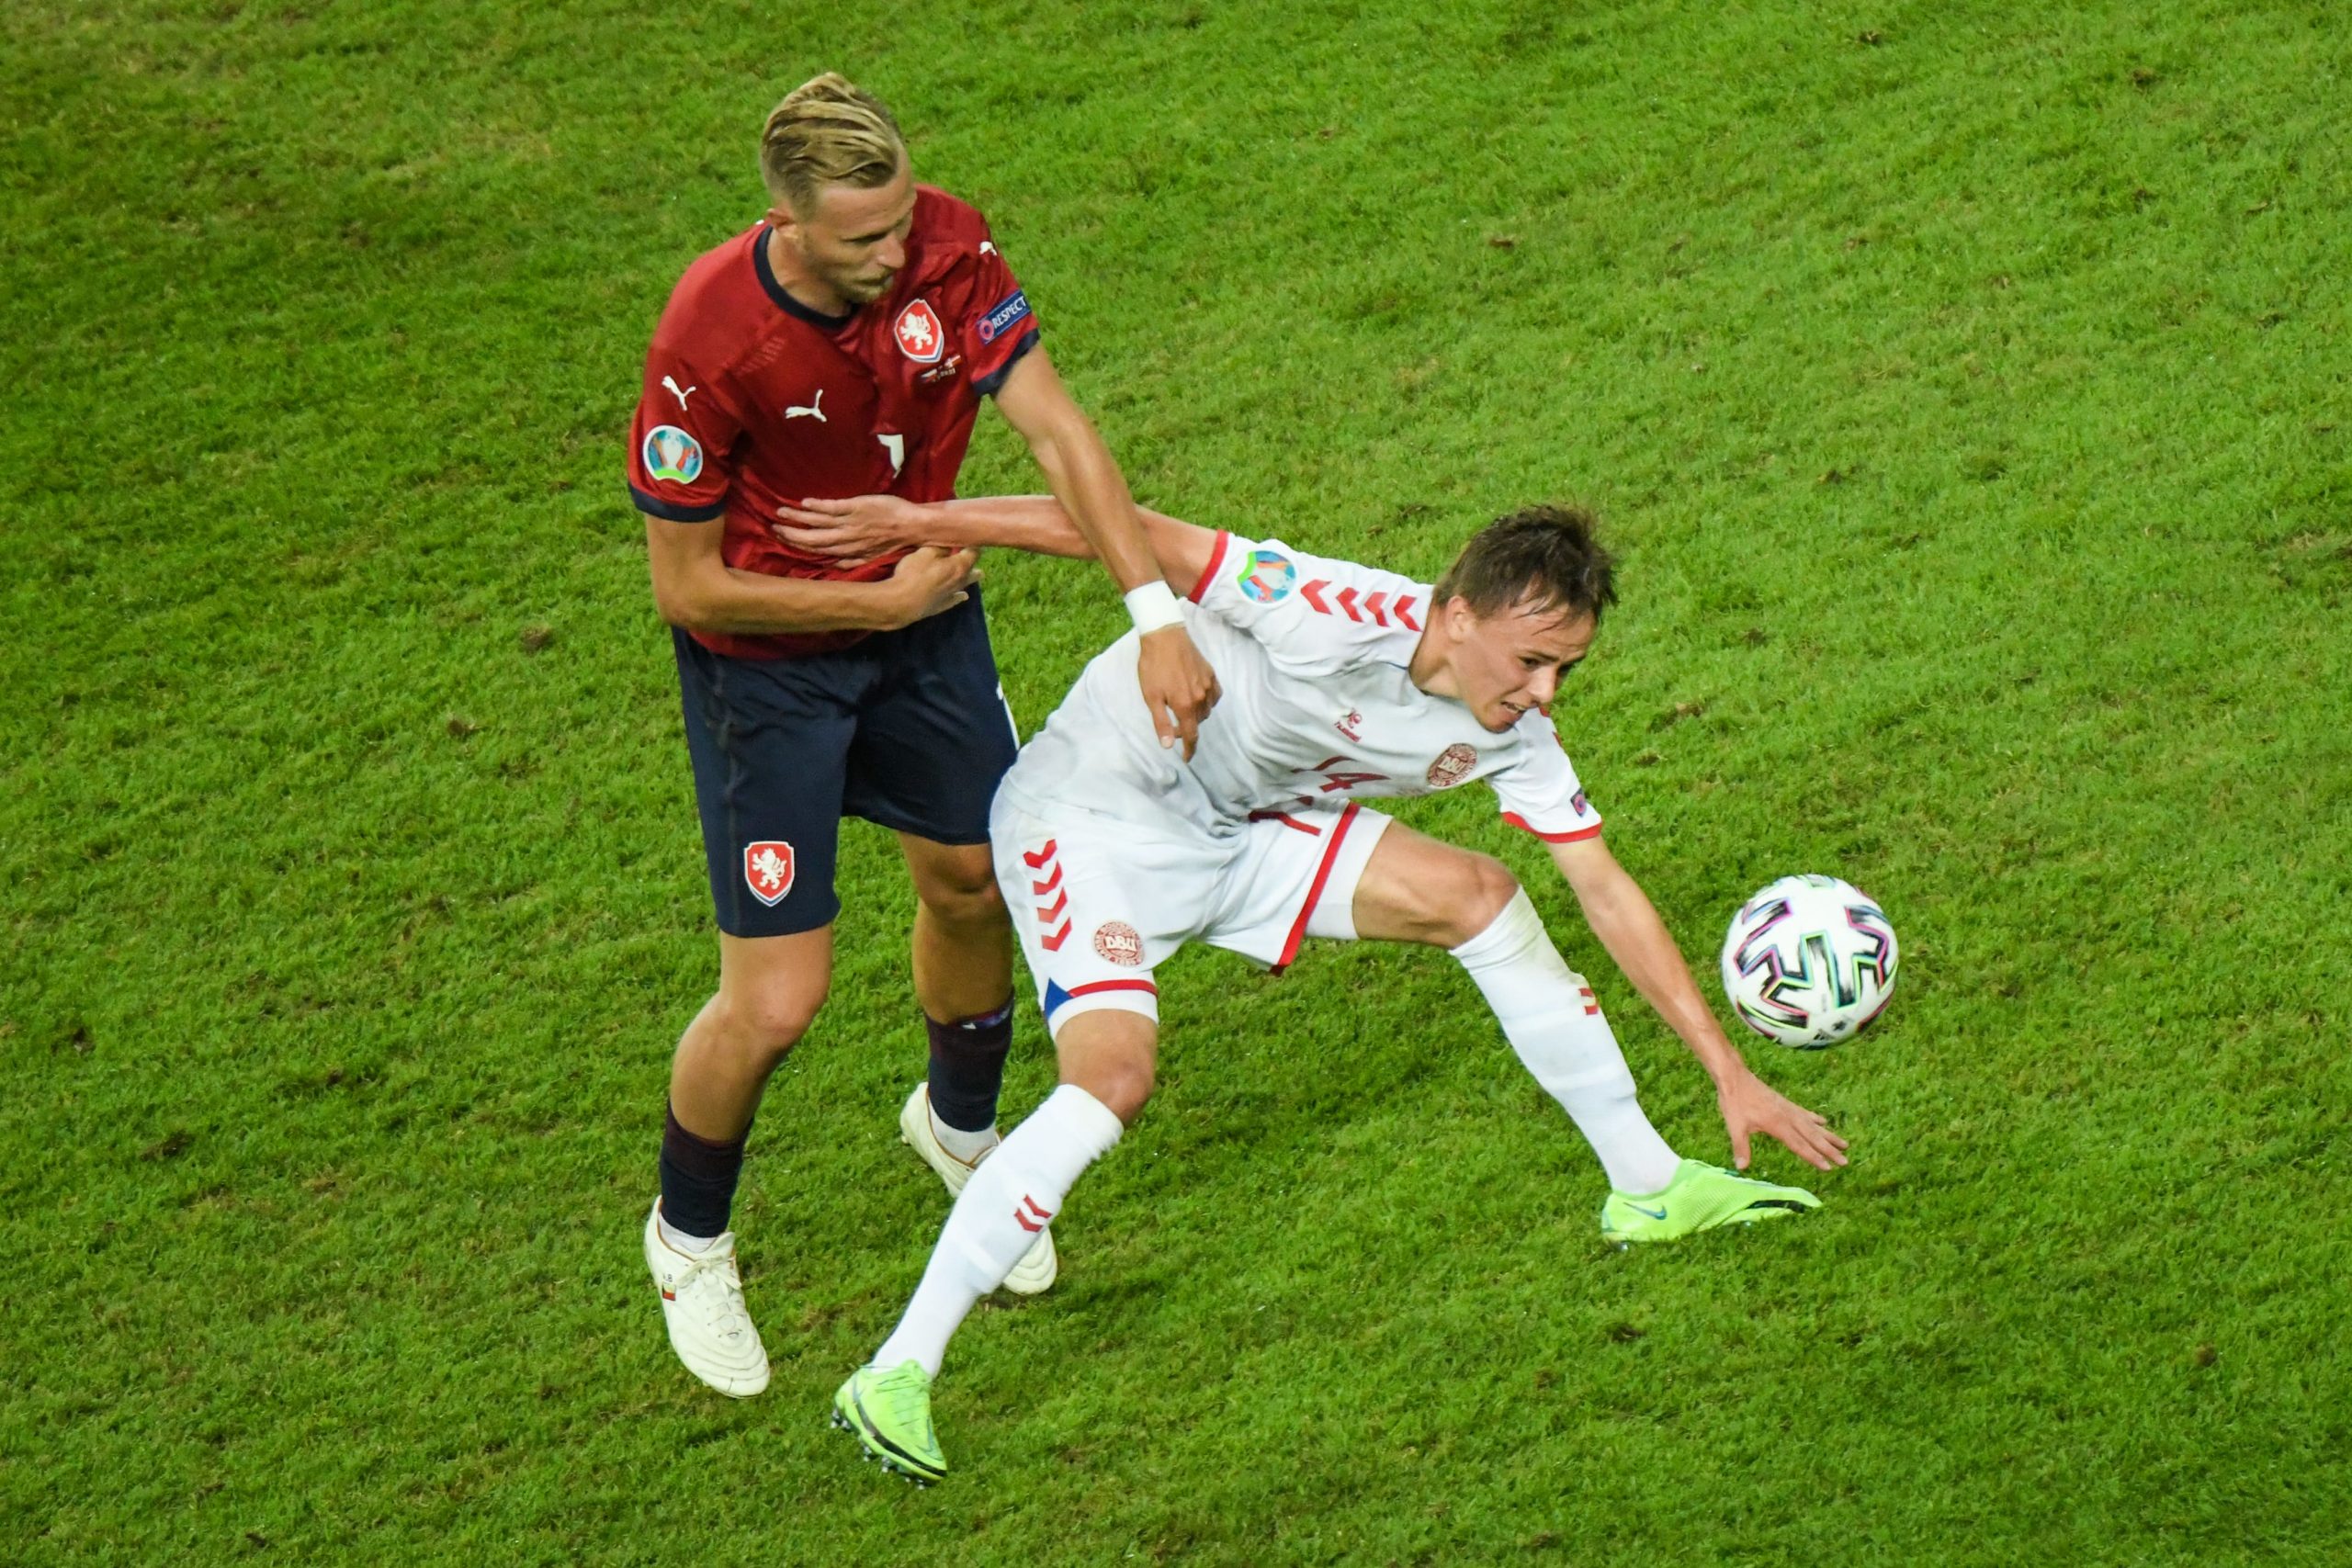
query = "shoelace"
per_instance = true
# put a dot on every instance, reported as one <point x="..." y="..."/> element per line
<point x="901" y="1395"/>
<point x="728" y="1302"/>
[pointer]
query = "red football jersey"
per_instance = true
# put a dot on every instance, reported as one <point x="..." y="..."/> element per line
<point x="752" y="399"/>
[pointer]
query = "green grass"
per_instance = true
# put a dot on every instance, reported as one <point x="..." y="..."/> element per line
<point x="1966" y="386"/>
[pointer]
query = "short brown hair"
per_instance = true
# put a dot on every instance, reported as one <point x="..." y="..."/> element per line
<point x="828" y="131"/>
<point x="1546" y="555"/>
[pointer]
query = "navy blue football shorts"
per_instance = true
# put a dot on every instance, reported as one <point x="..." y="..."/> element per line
<point x="908" y="729"/>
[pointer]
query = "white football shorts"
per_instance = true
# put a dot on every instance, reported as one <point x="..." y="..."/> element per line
<point x="1101" y="901"/>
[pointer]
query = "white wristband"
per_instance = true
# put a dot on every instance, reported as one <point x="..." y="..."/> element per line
<point x="1153" y="606"/>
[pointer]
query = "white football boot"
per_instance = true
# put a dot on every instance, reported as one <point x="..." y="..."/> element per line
<point x="702" y="1299"/>
<point x="1038" y="1266"/>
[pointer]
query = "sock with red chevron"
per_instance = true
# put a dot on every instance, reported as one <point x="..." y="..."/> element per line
<point x="1012" y="1197"/>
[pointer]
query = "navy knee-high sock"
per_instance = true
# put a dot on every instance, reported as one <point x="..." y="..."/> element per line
<point x="698" y="1180"/>
<point x="967" y="1068"/>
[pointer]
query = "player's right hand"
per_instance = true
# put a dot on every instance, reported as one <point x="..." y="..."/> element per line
<point x="854" y="530"/>
<point x="1179" y="687"/>
<point x="931" y="580"/>
<point x="1749" y="1105"/>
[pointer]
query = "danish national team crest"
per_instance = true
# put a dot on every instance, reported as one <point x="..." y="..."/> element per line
<point x="767" y="870"/>
<point x="673" y="454"/>
<point x="917" y="330"/>
<point x="1117" y="943"/>
<point x="1266" y="576"/>
<point x="1453" y="765"/>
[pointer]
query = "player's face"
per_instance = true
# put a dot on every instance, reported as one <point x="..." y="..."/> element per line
<point x="1506" y="663"/>
<point x="853" y="241"/>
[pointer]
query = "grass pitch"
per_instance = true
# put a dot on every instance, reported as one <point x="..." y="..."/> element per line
<point x="1965" y="387"/>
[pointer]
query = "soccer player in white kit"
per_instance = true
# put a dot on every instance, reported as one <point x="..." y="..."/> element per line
<point x="1343" y="683"/>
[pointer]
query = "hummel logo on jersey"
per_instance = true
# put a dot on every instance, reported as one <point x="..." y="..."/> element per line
<point x="1348" y="726"/>
<point x="1034" y="1216"/>
<point x="814" y="409"/>
<point x="670" y="383"/>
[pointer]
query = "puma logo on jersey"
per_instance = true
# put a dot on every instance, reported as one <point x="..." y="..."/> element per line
<point x="671" y="383"/>
<point x="815" y="410"/>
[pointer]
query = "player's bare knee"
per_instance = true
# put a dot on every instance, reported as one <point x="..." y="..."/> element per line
<point x="1122" y="1085"/>
<point x="1483" y="890"/>
<point x="960" y="889"/>
<point x="769" y="1022"/>
<point x="965" y="905"/>
<point x="1109" y="1053"/>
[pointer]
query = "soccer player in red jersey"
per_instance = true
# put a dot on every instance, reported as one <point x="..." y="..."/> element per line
<point x="837" y="348"/>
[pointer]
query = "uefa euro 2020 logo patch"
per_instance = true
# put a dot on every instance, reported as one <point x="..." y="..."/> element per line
<point x="1266" y="576"/>
<point x="671" y="454"/>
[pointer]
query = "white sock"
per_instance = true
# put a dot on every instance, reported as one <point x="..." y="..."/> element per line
<point x="679" y="1239"/>
<point x="1551" y="1020"/>
<point x="1008" y="1200"/>
<point x="966" y="1146"/>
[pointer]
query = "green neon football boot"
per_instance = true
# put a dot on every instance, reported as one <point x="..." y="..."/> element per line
<point x="1700" y="1198"/>
<point x="890" y="1414"/>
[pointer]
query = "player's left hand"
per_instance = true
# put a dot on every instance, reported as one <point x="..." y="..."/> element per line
<point x="854" y="530"/>
<point x="1179" y="687"/>
<point x="1750" y="1105"/>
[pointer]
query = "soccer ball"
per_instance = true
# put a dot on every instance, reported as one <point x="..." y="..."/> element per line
<point x="1808" y="960"/>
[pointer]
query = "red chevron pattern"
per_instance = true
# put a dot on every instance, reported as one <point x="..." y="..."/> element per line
<point x="1028" y="1207"/>
<point x="1359" y="606"/>
<point x="1591" y="1007"/>
<point x="1048" y="855"/>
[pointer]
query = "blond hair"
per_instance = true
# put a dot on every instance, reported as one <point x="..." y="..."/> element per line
<point x="828" y="131"/>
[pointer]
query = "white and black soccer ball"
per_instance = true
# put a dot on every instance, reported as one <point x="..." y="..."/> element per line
<point x="1809" y="960"/>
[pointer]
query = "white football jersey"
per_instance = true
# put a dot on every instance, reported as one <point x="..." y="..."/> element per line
<point x="1317" y="709"/>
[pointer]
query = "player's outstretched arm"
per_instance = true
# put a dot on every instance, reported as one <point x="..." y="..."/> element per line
<point x="1622" y="917"/>
<point x="869" y="525"/>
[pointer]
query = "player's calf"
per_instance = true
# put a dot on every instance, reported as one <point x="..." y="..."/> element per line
<point x="1010" y="1200"/>
<point x="1554" y="1023"/>
<point x="770" y="989"/>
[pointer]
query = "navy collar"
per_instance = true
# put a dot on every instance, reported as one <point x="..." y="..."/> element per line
<point x="777" y="291"/>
